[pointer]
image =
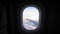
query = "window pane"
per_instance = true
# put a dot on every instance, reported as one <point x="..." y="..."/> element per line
<point x="30" y="18"/>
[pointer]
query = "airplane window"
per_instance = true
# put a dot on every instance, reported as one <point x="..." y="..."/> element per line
<point x="30" y="18"/>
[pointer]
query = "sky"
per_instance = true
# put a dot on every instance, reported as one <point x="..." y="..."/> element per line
<point x="31" y="13"/>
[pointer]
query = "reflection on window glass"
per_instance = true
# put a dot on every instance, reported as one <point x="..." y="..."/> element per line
<point x="30" y="18"/>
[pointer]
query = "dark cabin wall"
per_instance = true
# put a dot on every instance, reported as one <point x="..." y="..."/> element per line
<point x="8" y="15"/>
<point x="3" y="18"/>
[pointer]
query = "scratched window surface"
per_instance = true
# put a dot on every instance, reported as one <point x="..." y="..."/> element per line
<point x="30" y="18"/>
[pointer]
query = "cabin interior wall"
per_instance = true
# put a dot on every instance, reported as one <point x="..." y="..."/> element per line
<point x="8" y="15"/>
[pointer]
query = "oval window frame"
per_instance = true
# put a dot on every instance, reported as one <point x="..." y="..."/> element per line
<point x="33" y="16"/>
<point x="40" y="8"/>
